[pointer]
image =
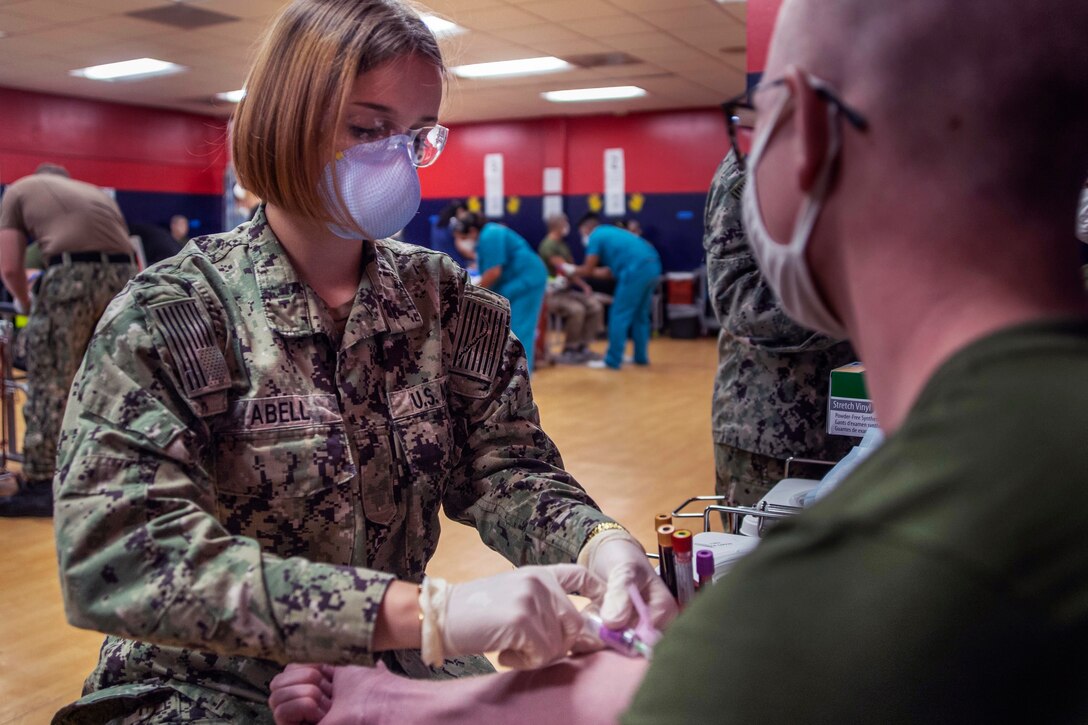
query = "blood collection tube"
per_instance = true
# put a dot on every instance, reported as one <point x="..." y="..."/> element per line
<point x="668" y="563"/>
<point x="704" y="567"/>
<point x="685" y="574"/>
<point x="662" y="520"/>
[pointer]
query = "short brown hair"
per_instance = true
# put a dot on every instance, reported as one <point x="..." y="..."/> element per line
<point x="284" y="128"/>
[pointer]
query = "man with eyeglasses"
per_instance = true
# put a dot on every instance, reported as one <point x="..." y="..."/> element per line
<point x="915" y="170"/>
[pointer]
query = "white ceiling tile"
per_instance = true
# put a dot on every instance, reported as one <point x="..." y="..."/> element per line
<point x="240" y="30"/>
<point x="488" y="19"/>
<point x="532" y="34"/>
<point x="244" y="8"/>
<point x="635" y="43"/>
<point x="123" y="27"/>
<point x="450" y="8"/>
<point x="680" y="18"/>
<point x="561" y="10"/>
<point x="602" y="28"/>
<point x="737" y="10"/>
<point x="561" y="48"/>
<point x="713" y="36"/>
<point x="55" y="10"/>
<point x="115" y="7"/>
<point x="13" y="23"/>
<point x="641" y="6"/>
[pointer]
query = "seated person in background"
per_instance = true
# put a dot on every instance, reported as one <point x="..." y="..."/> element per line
<point x="509" y="266"/>
<point x="637" y="268"/>
<point x="893" y="202"/>
<point x="770" y="393"/>
<point x="581" y="312"/>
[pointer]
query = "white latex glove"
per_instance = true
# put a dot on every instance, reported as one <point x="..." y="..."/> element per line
<point x="620" y="560"/>
<point x="568" y="268"/>
<point x="525" y="614"/>
<point x="20" y="308"/>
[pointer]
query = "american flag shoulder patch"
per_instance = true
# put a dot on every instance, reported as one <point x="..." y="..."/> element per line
<point x="480" y="338"/>
<point x="189" y="338"/>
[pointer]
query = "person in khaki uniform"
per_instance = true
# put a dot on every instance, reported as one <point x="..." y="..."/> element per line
<point x="85" y="247"/>
<point x="267" y="425"/>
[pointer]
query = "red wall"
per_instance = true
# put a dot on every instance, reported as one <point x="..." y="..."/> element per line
<point x="761" y="18"/>
<point x="109" y="144"/>
<point x="144" y="149"/>
<point x="669" y="152"/>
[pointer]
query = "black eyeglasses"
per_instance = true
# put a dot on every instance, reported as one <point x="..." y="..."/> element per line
<point x="741" y="113"/>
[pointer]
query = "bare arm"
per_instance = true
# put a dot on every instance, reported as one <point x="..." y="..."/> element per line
<point x="398" y="623"/>
<point x="490" y="277"/>
<point x="589" y="267"/>
<point x="12" y="264"/>
<point x="592" y="690"/>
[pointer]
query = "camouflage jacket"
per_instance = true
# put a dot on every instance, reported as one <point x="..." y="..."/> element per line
<point x="770" y="394"/>
<point x="234" y="491"/>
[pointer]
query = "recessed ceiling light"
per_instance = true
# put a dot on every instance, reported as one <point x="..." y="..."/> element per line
<point x="232" y="96"/>
<point x="522" y="67"/>
<point x="128" y="69"/>
<point x="440" y="26"/>
<point x="611" y="93"/>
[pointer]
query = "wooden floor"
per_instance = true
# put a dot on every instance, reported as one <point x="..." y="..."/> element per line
<point x="638" y="440"/>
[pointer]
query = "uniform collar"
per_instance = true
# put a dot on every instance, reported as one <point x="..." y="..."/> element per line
<point x="293" y="309"/>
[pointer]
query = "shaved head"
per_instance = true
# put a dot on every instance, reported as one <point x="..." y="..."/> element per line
<point x="996" y="89"/>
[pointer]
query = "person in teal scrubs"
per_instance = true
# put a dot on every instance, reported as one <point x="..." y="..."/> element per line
<point x="509" y="266"/>
<point x="637" y="268"/>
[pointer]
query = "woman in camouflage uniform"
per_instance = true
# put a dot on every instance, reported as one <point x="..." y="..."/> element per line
<point x="266" y="425"/>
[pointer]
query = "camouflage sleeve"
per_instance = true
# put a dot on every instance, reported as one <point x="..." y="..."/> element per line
<point x="743" y="303"/>
<point x="509" y="482"/>
<point x="141" y="552"/>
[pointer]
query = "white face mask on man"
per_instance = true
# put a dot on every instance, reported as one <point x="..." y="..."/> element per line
<point x="379" y="184"/>
<point x="784" y="265"/>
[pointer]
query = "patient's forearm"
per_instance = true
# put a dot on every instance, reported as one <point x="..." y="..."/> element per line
<point x="588" y="690"/>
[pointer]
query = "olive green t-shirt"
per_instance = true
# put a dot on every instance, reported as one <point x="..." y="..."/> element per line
<point x="946" y="580"/>
<point x="551" y="247"/>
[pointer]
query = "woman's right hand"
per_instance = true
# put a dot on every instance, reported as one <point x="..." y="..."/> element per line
<point x="524" y="614"/>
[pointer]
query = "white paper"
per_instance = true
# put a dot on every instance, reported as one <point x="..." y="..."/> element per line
<point x="553" y="204"/>
<point x="553" y="180"/>
<point x="615" y="183"/>
<point x="493" y="186"/>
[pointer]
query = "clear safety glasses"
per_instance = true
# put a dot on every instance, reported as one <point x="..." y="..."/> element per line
<point x="426" y="144"/>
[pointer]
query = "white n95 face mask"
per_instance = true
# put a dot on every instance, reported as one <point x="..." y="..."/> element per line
<point x="379" y="184"/>
<point x="783" y="265"/>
